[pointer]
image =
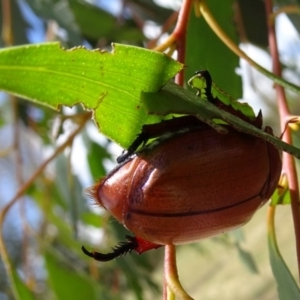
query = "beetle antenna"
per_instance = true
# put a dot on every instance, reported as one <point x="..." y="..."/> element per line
<point x="121" y="249"/>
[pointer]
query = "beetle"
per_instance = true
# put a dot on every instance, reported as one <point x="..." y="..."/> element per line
<point x="190" y="183"/>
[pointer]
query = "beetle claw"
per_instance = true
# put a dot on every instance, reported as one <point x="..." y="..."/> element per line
<point x="150" y="131"/>
<point x="124" y="156"/>
<point x="141" y="139"/>
<point x="121" y="249"/>
<point x="132" y="243"/>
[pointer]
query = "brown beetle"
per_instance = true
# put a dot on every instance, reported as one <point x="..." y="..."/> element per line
<point x="188" y="185"/>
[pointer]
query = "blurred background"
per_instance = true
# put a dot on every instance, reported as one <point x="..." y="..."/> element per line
<point x="44" y="231"/>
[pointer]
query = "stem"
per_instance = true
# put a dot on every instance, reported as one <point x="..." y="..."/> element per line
<point x="213" y="24"/>
<point x="171" y="276"/>
<point x="3" y="250"/>
<point x="178" y="37"/>
<point x="271" y="226"/>
<point x="287" y="9"/>
<point x="7" y="34"/>
<point x="289" y="167"/>
<point x="19" y="178"/>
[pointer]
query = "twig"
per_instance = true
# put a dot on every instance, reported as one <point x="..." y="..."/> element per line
<point x="171" y="275"/>
<point x="3" y="251"/>
<point x="213" y="24"/>
<point x="178" y="37"/>
<point x="289" y="167"/>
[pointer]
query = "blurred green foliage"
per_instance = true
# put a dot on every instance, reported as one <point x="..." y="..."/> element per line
<point x="47" y="252"/>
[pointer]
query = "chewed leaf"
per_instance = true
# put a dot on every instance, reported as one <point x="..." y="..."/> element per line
<point x="110" y="83"/>
<point x="199" y="82"/>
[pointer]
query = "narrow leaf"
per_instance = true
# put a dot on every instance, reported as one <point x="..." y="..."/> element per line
<point x="21" y="291"/>
<point x="286" y="284"/>
<point x="61" y="276"/>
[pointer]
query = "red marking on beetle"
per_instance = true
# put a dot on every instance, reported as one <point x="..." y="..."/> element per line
<point x="137" y="244"/>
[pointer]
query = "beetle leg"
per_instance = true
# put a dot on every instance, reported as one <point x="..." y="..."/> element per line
<point x="142" y="138"/>
<point x="151" y="131"/>
<point x="132" y="243"/>
<point x="121" y="249"/>
<point x="172" y="125"/>
<point x="207" y="90"/>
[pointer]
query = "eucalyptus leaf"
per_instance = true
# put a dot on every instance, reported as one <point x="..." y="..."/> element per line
<point x="110" y="83"/>
<point x="286" y="284"/>
<point x="61" y="275"/>
<point x="60" y="12"/>
<point x="204" y="50"/>
<point x="248" y="259"/>
<point x="21" y="290"/>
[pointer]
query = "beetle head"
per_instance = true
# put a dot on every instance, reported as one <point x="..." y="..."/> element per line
<point x="112" y="191"/>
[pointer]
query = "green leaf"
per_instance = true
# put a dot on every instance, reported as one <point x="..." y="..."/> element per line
<point x="281" y="197"/>
<point x="247" y="259"/>
<point x="90" y="218"/>
<point x="95" y="156"/>
<point x="109" y="83"/>
<point x="61" y="276"/>
<point x="60" y="12"/>
<point x="87" y="15"/>
<point x="206" y="51"/>
<point x="172" y="99"/>
<point x="255" y="30"/>
<point x="286" y="284"/>
<point x="21" y="291"/>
